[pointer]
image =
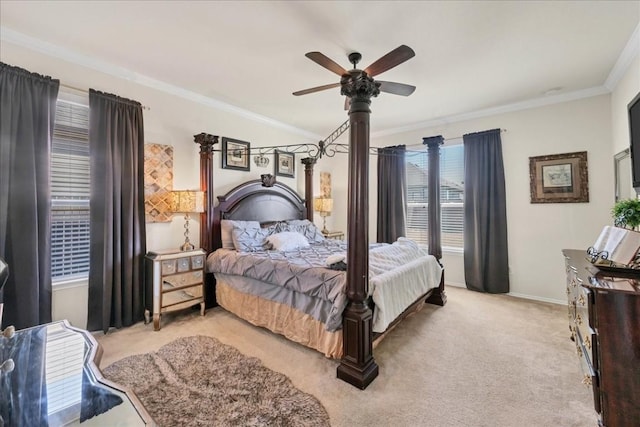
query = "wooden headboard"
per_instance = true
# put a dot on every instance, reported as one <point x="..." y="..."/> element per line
<point x="252" y="201"/>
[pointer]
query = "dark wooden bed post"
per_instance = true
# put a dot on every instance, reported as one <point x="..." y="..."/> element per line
<point x="435" y="243"/>
<point x="206" y="142"/>
<point x="308" y="163"/>
<point x="358" y="367"/>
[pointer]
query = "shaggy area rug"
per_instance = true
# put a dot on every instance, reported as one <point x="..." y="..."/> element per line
<point x="198" y="381"/>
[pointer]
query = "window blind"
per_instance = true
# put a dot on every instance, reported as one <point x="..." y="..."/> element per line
<point x="417" y="196"/>
<point x="70" y="192"/>
<point x="451" y="196"/>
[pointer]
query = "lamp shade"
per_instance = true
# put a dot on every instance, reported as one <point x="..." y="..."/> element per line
<point x="187" y="201"/>
<point x="323" y="205"/>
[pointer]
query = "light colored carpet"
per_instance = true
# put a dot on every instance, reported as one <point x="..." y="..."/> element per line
<point x="481" y="360"/>
<point x="207" y="383"/>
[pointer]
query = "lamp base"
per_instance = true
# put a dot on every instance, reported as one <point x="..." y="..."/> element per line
<point x="187" y="246"/>
<point x="324" y="225"/>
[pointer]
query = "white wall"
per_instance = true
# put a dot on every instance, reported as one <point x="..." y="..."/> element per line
<point x="536" y="232"/>
<point x="170" y="120"/>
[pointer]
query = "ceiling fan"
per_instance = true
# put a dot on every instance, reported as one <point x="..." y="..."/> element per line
<point x="388" y="61"/>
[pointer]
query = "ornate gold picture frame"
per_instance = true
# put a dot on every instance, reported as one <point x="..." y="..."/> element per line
<point x="559" y="178"/>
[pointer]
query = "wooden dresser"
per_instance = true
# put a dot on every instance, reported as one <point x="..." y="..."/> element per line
<point x="604" y="320"/>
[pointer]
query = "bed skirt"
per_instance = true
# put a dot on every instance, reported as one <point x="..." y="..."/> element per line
<point x="281" y="319"/>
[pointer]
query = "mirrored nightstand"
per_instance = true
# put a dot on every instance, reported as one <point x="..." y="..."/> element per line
<point x="174" y="281"/>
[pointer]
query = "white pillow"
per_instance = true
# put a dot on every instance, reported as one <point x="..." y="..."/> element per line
<point x="226" y="230"/>
<point x="287" y="241"/>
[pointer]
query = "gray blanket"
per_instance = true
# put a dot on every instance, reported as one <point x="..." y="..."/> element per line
<point x="304" y="272"/>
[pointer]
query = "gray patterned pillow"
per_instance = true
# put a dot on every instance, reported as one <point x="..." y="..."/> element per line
<point x="306" y="228"/>
<point x="250" y="239"/>
<point x="226" y="230"/>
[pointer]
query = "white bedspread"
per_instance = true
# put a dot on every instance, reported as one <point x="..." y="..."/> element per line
<point x="398" y="276"/>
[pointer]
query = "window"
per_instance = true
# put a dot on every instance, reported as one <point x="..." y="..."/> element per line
<point x="70" y="192"/>
<point x="451" y="195"/>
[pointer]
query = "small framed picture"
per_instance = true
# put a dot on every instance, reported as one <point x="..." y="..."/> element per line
<point x="235" y="154"/>
<point x="559" y="178"/>
<point x="285" y="163"/>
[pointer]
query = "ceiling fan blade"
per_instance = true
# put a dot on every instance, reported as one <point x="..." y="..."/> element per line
<point x="390" y="60"/>
<point x="316" y="89"/>
<point x="327" y="63"/>
<point x="396" y="88"/>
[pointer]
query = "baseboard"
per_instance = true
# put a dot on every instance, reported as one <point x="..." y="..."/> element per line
<point x="515" y="294"/>
<point x="537" y="298"/>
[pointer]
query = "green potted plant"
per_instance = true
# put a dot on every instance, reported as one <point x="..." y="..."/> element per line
<point x="626" y="213"/>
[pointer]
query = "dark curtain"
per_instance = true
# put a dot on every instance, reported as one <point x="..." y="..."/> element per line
<point x="27" y="112"/>
<point x="486" y="257"/>
<point x="116" y="147"/>
<point x="392" y="193"/>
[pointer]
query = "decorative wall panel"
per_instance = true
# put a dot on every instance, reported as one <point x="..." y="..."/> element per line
<point x="158" y="182"/>
<point x="325" y="185"/>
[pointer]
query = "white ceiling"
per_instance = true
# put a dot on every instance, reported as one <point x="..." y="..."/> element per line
<point x="470" y="56"/>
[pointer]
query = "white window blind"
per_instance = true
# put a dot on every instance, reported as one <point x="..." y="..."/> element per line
<point x="70" y="192"/>
<point x="417" y="196"/>
<point x="451" y="196"/>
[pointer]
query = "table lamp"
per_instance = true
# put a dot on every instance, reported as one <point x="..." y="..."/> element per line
<point x="187" y="201"/>
<point x="324" y="206"/>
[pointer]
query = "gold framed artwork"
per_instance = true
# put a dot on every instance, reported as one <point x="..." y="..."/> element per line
<point x="559" y="178"/>
<point x="235" y="154"/>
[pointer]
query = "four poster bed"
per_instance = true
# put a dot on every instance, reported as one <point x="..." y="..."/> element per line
<point x="351" y="337"/>
<point x="294" y="292"/>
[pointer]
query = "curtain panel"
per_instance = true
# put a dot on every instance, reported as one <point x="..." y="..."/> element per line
<point x="486" y="256"/>
<point x="116" y="147"/>
<point x="392" y="193"/>
<point x="27" y="113"/>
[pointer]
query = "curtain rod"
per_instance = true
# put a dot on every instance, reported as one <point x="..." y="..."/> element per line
<point x="448" y="139"/>
<point x="86" y="91"/>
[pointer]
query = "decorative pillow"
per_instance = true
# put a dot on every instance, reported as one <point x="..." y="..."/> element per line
<point x="306" y="228"/>
<point x="249" y="239"/>
<point x="226" y="228"/>
<point x="287" y="241"/>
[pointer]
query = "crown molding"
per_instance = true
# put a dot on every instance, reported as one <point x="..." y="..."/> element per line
<point x="502" y="109"/>
<point x="32" y="43"/>
<point x="628" y="54"/>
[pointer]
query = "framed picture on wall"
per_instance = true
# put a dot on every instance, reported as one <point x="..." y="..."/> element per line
<point x="285" y="163"/>
<point x="235" y="154"/>
<point x="559" y="178"/>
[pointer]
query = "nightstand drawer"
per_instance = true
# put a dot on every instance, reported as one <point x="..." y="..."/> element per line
<point x="172" y="296"/>
<point x="183" y="279"/>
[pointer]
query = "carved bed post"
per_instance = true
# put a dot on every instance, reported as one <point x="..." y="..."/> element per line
<point x="308" y="163"/>
<point x="435" y="243"/>
<point x="206" y="142"/>
<point x="358" y="367"/>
